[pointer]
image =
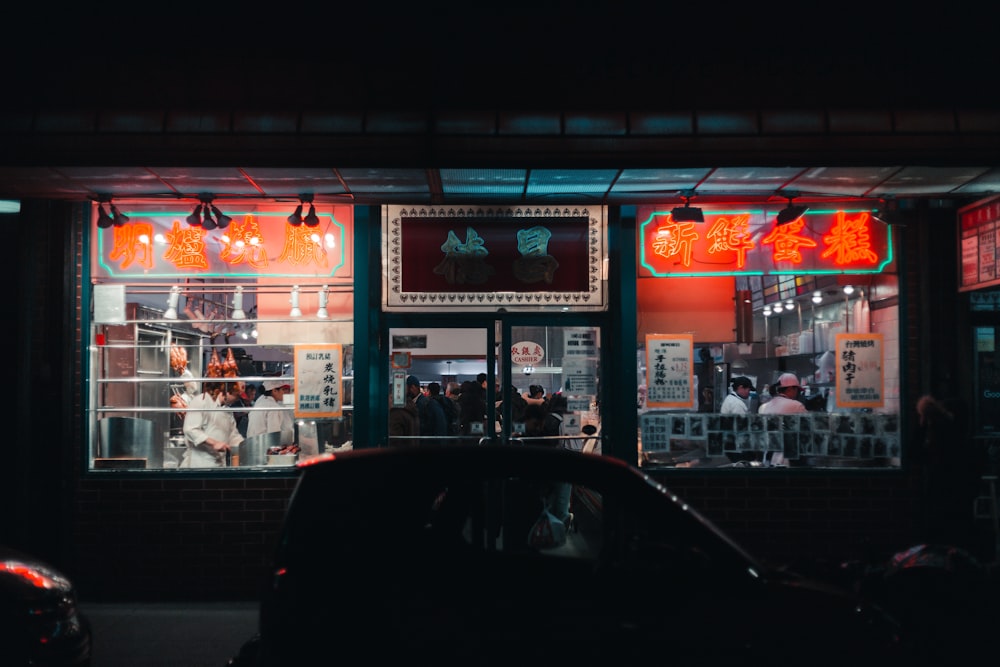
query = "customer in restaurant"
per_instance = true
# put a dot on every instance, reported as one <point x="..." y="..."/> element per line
<point x="273" y="417"/>
<point x="786" y="397"/>
<point x="209" y="430"/>
<point x="737" y="401"/>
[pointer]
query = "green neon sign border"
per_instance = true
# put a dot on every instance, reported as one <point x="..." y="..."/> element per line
<point x="807" y="272"/>
<point x="215" y="274"/>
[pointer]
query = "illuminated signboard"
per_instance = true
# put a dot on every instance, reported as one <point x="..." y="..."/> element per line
<point x="157" y="242"/>
<point x="979" y="226"/>
<point x="482" y="258"/>
<point x="749" y="242"/>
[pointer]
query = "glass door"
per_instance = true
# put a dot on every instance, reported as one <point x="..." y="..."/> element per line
<point x="505" y="382"/>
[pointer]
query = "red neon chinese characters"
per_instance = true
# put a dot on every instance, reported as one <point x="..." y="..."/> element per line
<point x="186" y="247"/>
<point x="787" y="241"/>
<point x="302" y="248"/>
<point x="245" y="244"/>
<point x="731" y="234"/>
<point x="849" y="240"/>
<point x="130" y="246"/>
<point x="675" y="238"/>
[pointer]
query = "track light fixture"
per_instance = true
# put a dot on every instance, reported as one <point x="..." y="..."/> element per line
<point x="790" y="213"/>
<point x="195" y="218"/>
<point x="687" y="213"/>
<point x="311" y="219"/>
<point x="295" y="219"/>
<point x="104" y="219"/>
<point x="202" y="215"/>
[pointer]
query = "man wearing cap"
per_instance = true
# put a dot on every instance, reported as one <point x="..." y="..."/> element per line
<point x="273" y="417"/>
<point x="736" y="402"/>
<point x="786" y="397"/>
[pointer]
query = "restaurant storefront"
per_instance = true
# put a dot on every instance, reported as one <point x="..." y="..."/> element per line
<point x="590" y="339"/>
<point x="180" y="300"/>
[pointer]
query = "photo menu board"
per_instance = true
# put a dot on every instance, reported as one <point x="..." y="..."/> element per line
<point x="979" y="229"/>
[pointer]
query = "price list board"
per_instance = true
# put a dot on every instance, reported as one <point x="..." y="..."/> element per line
<point x="979" y="229"/>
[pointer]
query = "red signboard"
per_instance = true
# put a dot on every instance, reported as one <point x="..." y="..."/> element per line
<point x="490" y="258"/>
<point x="749" y="241"/>
<point x="158" y="242"/>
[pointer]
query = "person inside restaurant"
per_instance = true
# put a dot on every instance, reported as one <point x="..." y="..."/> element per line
<point x="209" y="432"/>
<point x="273" y="418"/>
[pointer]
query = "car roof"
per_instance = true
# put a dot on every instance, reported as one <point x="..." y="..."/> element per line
<point x="323" y="480"/>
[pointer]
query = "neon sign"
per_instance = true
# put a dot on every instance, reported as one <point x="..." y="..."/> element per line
<point x="158" y="243"/>
<point x="748" y="242"/>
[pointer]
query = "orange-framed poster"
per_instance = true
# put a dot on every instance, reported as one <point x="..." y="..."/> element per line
<point x="859" y="378"/>
<point x="318" y="380"/>
<point x="670" y="371"/>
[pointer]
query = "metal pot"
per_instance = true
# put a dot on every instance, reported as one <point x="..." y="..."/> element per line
<point x="253" y="450"/>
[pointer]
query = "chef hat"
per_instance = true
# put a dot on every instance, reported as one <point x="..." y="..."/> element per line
<point x="276" y="384"/>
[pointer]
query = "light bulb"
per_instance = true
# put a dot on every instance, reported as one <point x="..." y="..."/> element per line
<point x="848" y="289"/>
<point x="778" y="308"/>
<point x="766" y="312"/>
<point x="817" y="297"/>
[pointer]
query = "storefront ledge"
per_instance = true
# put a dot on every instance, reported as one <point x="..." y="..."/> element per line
<point x="597" y="124"/>
<point x="66" y="121"/>
<point x="793" y="122"/>
<point x="266" y="123"/>
<point x="199" y="121"/>
<point x="482" y="123"/>
<point x="860" y="121"/>
<point x="147" y="122"/>
<point x="979" y="121"/>
<point x="192" y="473"/>
<point x="665" y="124"/>
<point x="727" y="122"/>
<point x="396" y="122"/>
<point x="344" y="122"/>
<point x="925" y="121"/>
<point x="536" y="123"/>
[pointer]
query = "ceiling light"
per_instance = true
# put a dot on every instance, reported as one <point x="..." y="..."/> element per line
<point x="687" y="213"/>
<point x="311" y="220"/>
<point x="195" y="218"/>
<point x="778" y="307"/>
<point x="790" y="213"/>
<point x="767" y="311"/>
<point x="295" y="219"/>
<point x="206" y="217"/>
<point x="119" y="218"/>
<point x="817" y="297"/>
<point x="221" y="219"/>
<point x="848" y="289"/>
<point x="103" y="219"/>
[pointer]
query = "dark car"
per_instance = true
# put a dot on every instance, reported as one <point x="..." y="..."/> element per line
<point x="40" y="622"/>
<point x="435" y="555"/>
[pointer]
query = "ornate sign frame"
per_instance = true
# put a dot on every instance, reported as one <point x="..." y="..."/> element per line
<point x="481" y="258"/>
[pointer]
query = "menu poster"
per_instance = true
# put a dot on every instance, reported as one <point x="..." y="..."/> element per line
<point x="670" y="371"/>
<point x="860" y="382"/>
<point x="318" y="381"/>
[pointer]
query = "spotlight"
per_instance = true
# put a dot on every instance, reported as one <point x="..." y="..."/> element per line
<point x="311" y="220"/>
<point x="295" y="219"/>
<point x="119" y="217"/>
<point x="206" y="218"/>
<point x="817" y="297"/>
<point x="103" y="219"/>
<point x="195" y="218"/>
<point x="175" y="295"/>
<point x="221" y="219"/>
<point x="790" y="213"/>
<point x="687" y="213"/>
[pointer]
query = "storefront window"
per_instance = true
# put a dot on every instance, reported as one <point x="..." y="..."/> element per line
<point x="223" y="348"/>
<point x="734" y="310"/>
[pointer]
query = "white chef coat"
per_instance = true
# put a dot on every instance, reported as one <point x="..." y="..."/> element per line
<point x="271" y="420"/>
<point x="203" y="421"/>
